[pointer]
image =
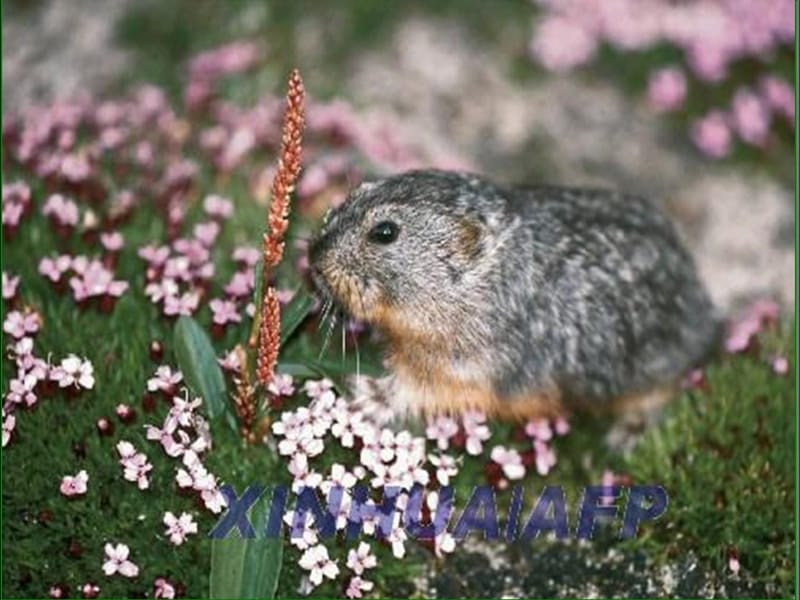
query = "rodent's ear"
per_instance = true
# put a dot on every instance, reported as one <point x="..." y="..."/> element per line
<point x="469" y="238"/>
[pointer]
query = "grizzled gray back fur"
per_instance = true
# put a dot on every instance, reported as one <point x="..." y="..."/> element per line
<point x="588" y="290"/>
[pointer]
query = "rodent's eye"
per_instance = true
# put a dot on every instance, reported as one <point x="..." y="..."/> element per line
<point x="384" y="232"/>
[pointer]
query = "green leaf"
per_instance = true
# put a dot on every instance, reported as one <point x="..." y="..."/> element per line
<point x="294" y="313"/>
<point x="247" y="568"/>
<point x="198" y="363"/>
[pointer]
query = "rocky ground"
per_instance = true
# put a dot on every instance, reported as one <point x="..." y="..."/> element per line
<point x="454" y="96"/>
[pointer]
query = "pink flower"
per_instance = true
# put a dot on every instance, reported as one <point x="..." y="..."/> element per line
<point x="561" y="44"/>
<point x="20" y="324"/>
<point x="246" y="255"/>
<point x="235" y="57"/>
<point x="186" y="304"/>
<point x="561" y="426"/>
<point x="779" y="96"/>
<point x="712" y="135"/>
<point x="361" y="558"/>
<point x="316" y="388"/>
<point x="314" y="180"/>
<point x="666" y="90"/>
<point x="751" y="118"/>
<point x="163" y="588"/>
<point x="74" y="486"/>
<point x="135" y="464"/>
<point x="166" y="439"/>
<point x="217" y="207"/>
<point x="281" y="385"/>
<point x="155" y="256"/>
<point x="780" y="365"/>
<point x="179" y="527"/>
<point x="117" y="561"/>
<point x="17" y="192"/>
<point x="441" y="429"/>
<point x="158" y="291"/>
<point x="231" y="362"/>
<point x="545" y="457"/>
<point x="164" y="380"/>
<point x="21" y="390"/>
<point x="90" y="590"/>
<point x="607" y="481"/>
<point x="62" y="210"/>
<point x="510" y="461"/>
<point x="54" y="268"/>
<point x="708" y="60"/>
<point x="206" y="233"/>
<point x="12" y="214"/>
<point x="241" y="284"/>
<point x="112" y="241"/>
<point x="125" y="412"/>
<point x="476" y="431"/>
<point x="224" y="312"/>
<point x="95" y="280"/>
<point x="746" y="325"/>
<point x="10" y="284"/>
<point x="75" y="168"/>
<point x="539" y="429"/>
<point x="356" y="586"/>
<point x="74" y="371"/>
<point x="9" y="422"/>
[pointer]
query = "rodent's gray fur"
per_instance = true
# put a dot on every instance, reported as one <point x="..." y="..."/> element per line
<point x="588" y="290"/>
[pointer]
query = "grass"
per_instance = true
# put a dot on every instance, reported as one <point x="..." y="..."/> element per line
<point x="727" y="457"/>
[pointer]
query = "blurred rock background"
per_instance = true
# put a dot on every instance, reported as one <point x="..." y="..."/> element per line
<point x="461" y="81"/>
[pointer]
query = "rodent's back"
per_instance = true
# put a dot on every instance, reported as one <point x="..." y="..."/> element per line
<point x="613" y="295"/>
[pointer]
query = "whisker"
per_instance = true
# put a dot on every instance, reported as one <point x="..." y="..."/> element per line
<point x="358" y="357"/>
<point x="344" y="343"/>
<point x="328" y="333"/>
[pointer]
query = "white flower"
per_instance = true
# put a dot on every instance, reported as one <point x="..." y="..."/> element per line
<point x="356" y="586"/>
<point x="117" y="561"/>
<point x="134" y="464"/>
<point x="213" y="500"/>
<point x="476" y="431"/>
<point x="281" y="385"/>
<point x="74" y="371"/>
<point x="9" y="422"/>
<point x="74" y="486"/>
<point x="444" y="543"/>
<point x="347" y="425"/>
<point x="361" y="558"/>
<point x="317" y="561"/>
<point x="164" y="379"/>
<point x="510" y="461"/>
<point x="125" y="449"/>
<point x="446" y="467"/>
<point x="308" y="536"/>
<point x="340" y="477"/>
<point x="315" y="389"/>
<point x="545" y="457"/>
<point x="441" y="429"/>
<point x="397" y="538"/>
<point x="179" y="527"/>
